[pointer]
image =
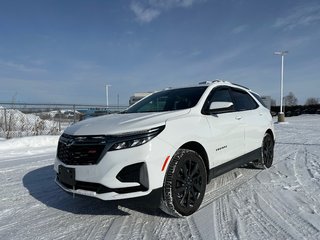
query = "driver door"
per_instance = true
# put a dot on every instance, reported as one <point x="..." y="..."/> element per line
<point x="227" y="129"/>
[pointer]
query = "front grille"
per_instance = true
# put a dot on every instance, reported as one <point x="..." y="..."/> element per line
<point x="81" y="150"/>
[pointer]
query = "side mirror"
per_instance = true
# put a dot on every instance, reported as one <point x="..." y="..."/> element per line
<point x="220" y="107"/>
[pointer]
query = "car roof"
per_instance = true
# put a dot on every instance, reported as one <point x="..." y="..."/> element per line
<point x="213" y="83"/>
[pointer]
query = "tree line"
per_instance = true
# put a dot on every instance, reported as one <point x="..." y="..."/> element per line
<point x="291" y="107"/>
<point x="291" y="100"/>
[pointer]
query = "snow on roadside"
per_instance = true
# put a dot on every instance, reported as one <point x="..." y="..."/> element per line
<point x="28" y="145"/>
<point x="28" y="142"/>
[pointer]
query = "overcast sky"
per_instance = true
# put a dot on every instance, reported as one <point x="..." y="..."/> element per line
<point x="58" y="51"/>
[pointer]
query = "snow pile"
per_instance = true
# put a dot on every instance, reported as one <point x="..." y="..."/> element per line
<point x="14" y="123"/>
<point x="28" y="142"/>
<point x="28" y="146"/>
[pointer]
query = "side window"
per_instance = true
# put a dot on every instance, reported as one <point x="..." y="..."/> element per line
<point x="218" y="95"/>
<point x="259" y="99"/>
<point x="221" y="95"/>
<point x="243" y="101"/>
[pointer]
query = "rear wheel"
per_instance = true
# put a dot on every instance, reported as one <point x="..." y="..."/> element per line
<point x="185" y="184"/>
<point x="266" y="153"/>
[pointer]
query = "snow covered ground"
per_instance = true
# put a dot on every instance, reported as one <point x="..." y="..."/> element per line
<point x="282" y="202"/>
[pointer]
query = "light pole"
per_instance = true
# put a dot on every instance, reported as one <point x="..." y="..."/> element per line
<point x="281" y="113"/>
<point x="107" y="94"/>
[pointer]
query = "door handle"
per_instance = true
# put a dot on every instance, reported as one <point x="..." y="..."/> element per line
<point x="238" y="117"/>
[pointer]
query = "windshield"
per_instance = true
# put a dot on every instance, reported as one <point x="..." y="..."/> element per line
<point x="169" y="100"/>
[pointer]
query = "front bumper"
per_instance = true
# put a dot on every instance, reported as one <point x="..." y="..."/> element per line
<point x="121" y="174"/>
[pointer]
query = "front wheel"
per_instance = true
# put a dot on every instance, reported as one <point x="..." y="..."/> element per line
<point x="185" y="184"/>
<point x="266" y="153"/>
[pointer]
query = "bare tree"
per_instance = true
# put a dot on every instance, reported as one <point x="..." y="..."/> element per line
<point x="290" y="99"/>
<point x="312" y="101"/>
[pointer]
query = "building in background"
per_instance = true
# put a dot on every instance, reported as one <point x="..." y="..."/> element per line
<point x="267" y="101"/>
<point x="138" y="96"/>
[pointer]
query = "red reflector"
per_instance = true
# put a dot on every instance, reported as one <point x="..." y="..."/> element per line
<point x="92" y="151"/>
<point x="165" y="163"/>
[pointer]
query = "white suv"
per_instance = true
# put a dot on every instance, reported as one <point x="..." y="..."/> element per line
<point x="168" y="145"/>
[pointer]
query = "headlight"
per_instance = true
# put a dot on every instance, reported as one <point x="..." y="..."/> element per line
<point x="134" y="139"/>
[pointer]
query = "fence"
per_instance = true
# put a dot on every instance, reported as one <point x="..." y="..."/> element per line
<point x="25" y="119"/>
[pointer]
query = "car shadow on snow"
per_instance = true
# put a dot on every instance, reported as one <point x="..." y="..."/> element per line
<point x="40" y="184"/>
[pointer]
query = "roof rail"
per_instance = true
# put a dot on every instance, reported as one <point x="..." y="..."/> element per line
<point x="240" y="86"/>
<point x="212" y="81"/>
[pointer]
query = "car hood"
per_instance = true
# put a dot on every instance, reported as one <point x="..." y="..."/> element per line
<point x="122" y="123"/>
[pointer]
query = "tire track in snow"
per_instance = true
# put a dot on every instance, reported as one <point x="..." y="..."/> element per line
<point x="305" y="166"/>
<point x="260" y="216"/>
<point x="28" y="165"/>
<point x="193" y="228"/>
<point x="223" y="184"/>
<point x="256" y="223"/>
<point x="312" y="161"/>
<point x="131" y="228"/>
<point x="225" y="222"/>
<point x="268" y="192"/>
<point x="37" y="156"/>
<point x="290" y="216"/>
<point x="306" y="176"/>
<point x="143" y="226"/>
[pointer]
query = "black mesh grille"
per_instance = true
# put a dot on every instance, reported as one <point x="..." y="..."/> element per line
<point x="81" y="150"/>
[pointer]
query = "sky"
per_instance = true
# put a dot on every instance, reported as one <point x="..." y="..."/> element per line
<point x="57" y="51"/>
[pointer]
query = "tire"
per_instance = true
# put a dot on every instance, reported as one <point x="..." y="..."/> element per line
<point x="184" y="184"/>
<point x="266" y="153"/>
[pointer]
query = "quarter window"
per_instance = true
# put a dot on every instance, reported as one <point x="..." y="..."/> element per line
<point x="243" y="101"/>
<point x="259" y="99"/>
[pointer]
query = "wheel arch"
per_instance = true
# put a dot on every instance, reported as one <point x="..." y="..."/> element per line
<point x="198" y="148"/>
<point x="271" y="133"/>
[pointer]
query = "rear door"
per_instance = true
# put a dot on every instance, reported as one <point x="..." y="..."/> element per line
<point x="251" y="115"/>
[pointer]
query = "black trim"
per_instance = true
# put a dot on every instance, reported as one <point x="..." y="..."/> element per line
<point x="239" y="161"/>
<point x="152" y="200"/>
<point x="99" y="188"/>
<point x="130" y="173"/>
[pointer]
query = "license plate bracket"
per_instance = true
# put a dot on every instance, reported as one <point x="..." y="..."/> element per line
<point x="67" y="175"/>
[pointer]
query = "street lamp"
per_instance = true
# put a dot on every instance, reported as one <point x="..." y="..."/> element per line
<point x="281" y="113"/>
<point x="107" y="94"/>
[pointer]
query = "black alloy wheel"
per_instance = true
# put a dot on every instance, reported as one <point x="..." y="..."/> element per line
<point x="185" y="183"/>
<point x="267" y="150"/>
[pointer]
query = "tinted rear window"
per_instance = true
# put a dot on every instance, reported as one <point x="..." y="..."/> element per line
<point x="259" y="99"/>
<point x="243" y="101"/>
